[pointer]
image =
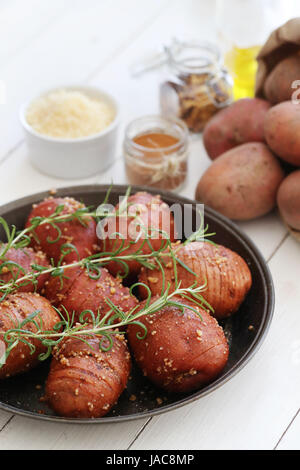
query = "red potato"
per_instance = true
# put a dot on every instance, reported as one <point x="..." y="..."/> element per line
<point x="181" y="352"/>
<point x="282" y="131"/>
<point x="25" y="258"/>
<point x="239" y="123"/>
<point x="14" y="309"/>
<point x="84" y="238"/>
<point x="84" y="381"/>
<point x="278" y="85"/>
<point x="152" y="213"/>
<point x="226" y="274"/>
<point x="288" y="200"/>
<point x="79" y="292"/>
<point x="242" y="183"/>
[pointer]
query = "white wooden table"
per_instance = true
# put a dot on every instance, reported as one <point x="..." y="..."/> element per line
<point x="48" y="43"/>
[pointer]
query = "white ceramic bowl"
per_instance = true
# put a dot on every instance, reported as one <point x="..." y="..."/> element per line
<point x="73" y="158"/>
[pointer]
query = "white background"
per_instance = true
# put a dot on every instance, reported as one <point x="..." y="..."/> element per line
<point x="50" y="43"/>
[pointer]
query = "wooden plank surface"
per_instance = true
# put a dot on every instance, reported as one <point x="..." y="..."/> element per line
<point x="21" y="23"/>
<point x="290" y="440"/>
<point x="67" y="52"/>
<point x="23" y="433"/>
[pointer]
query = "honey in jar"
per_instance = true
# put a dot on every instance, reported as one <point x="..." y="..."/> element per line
<point x="156" y="151"/>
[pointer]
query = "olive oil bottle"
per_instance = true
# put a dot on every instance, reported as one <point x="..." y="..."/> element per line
<point x="243" y="27"/>
<point x="242" y="64"/>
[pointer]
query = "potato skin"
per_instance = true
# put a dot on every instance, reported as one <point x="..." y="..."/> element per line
<point x="79" y="292"/>
<point x="282" y="131"/>
<point x="288" y="200"/>
<point x="85" y="382"/>
<point x="25" y="257"/>
<point x="15" y="308"/>
<point x="277" y="87"/>
<point x="227" y="276"/>
<point x="181" y="352"/>
<point x="239" y="123"/>
<point x="242" y="183"/>
<point x="84" y="238"/>
<point x="152" y="213"/>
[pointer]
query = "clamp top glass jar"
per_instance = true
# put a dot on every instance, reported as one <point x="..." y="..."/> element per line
<point x="197" y="85"/>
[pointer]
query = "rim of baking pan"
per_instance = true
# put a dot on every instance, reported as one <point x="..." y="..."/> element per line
<point x="235" y="231"/>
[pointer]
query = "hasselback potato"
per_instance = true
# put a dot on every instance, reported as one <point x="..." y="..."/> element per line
<point x="84" y="381"/>
<point x="226" y="274"/>
<point x="46" y="237"/>
<point x="25" y="257"/>
<point x="14" y="309"/>
<point x="81" y="292"/>
<point x="152" y="214"/>
<point x="181" y="351"/>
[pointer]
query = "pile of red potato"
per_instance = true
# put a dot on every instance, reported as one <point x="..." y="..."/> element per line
<point x="255" y="147"/>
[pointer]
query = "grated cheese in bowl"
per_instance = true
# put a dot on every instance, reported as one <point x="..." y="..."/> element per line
<point x="69" y="114"/>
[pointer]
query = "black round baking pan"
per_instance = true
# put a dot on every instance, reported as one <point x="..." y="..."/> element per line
<point x="245" y="330"/>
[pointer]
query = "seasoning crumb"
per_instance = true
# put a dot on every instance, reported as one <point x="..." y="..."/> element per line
<point x="132" y="398"/>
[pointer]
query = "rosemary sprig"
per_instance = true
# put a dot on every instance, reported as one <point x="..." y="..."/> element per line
<point x="115" y="319"/>
<point x="21" y="239"/>
<point x="112" y="323"/>
<point x="201" y="233"/>
<point x="94" y="262"/>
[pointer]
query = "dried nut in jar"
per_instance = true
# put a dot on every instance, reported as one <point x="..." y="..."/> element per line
<point x="198" y="86"/>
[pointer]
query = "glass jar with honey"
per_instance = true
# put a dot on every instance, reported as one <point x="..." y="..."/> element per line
<point x="156" y="152"/>
<point x="196" y="86"/>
